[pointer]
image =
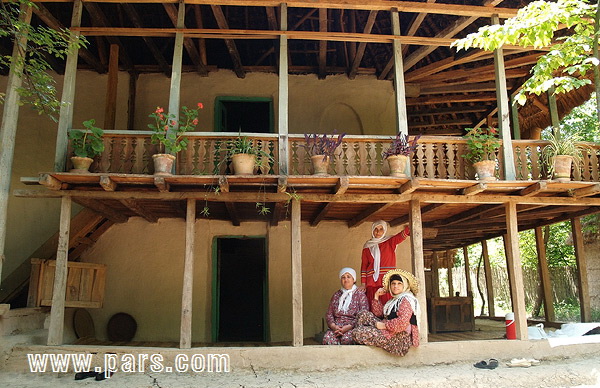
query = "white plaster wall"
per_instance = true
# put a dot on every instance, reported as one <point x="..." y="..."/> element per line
<point x="145" y="273"/>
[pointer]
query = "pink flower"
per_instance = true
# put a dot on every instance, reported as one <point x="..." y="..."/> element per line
<point x="173" y="123"/>
<point x="162" y="117"/>
<point x="166" y="127"/>
<point x="195" y="121"/>
<point x="200" y="106"/>
<point x="159" y="109"/>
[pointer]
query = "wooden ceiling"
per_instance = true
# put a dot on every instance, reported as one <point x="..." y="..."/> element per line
<point x="454" y="213"/>
<point x="446" y="91"/>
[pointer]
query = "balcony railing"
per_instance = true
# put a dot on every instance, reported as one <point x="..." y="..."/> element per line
<point x="440" y="157"/>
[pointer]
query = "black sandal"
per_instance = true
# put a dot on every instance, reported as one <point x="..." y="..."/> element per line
<point x="492" y="363"/>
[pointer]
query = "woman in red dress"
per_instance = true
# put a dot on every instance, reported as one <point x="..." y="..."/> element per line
<point x="379" y="257"/>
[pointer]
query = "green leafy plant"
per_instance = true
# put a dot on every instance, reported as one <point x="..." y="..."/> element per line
<point x="482" y="144"/>
<point x="563" y="144"/>
<point x="88" y="143"/>
<point x="38" y="88"/>
<point x="169" y="133"/>
<point x="245" y="145"/>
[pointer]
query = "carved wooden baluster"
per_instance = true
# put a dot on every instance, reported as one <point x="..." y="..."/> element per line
<point x="534" y="155"/>
<point x="420" y="157"/>
<point x="128" y="150"/>
<point x="594" y="164"/>
<point x="430" y="160"/>
<point x="355" y="154"/>
<point x="586" y="175"/>
<point x="442" y="170"/>
<point x="464" y="167"/>
<point x="368" y="160"/>
<point x="104" y="162"/>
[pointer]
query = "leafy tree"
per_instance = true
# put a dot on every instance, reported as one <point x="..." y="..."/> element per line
<point x="38" y="88"/>
<point x="541" y="24"/>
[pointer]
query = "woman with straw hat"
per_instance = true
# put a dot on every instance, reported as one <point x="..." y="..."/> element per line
<point x="393" y="326"/>
<point x="345" y="304"/>
<point x="379" y="256"/>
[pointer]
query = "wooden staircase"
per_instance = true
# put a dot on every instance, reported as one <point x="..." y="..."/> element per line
<point x="86" y="227"/>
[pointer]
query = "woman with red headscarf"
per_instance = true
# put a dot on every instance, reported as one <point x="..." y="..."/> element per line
<point x="379" y="257"/>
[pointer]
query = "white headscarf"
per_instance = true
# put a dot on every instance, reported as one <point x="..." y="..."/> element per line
<point x="346" y="297"/>
<point x="394" y="303"/>
<point x="373" y="245"/>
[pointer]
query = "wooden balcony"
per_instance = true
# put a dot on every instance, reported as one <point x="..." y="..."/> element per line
<point x="437" y="157"/>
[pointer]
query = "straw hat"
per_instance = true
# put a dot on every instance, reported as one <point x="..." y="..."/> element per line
<point x="413" y="284"/>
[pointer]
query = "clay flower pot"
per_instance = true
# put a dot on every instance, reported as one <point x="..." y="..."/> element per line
<point x="485" y="170"/>
<point x="81" y="165"/>
<point x="243" y="164"/>
<point x="562" y="167"/>
<point x="320" y="164"/>
<point x="397" y="165"/>
<point x="163" y="164"/>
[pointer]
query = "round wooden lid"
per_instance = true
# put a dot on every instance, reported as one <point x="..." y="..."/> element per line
<point x="83" y="324"/>
<point x="121" y="327"/>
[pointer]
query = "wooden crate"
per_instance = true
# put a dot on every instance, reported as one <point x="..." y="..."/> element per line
<point x="85" y="284"/>
<point x="451" y="314"/>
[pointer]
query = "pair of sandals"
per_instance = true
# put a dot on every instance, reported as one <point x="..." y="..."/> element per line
<point x="492" y="363"/>
<point x="99" y="376"/>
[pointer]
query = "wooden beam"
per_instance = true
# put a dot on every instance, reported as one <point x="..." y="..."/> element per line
<point x="488" y="279"/>
<point x="50" y="182"/>
<point x="404" y="219"/>
<point x="110" y="105"/>
<point x="401" y="115"/>
<point x="582" y="271"/>
<point x="418" y="264"/>
<point x="534" y="189"/>
<point x="283" y="98"/>
<point x="466" y="215"/>
<point x="231" y="47"/>
<point x="102" y="209"/>
<point x="586" y="191"/>
<point x="450" y="280"/>
<point x="156" y="53"/>
<point x="296" y="265"/>
<point x="201" y="42"/>
<point x="172" y="12"/>
<point x="46" y="16"/>
<point x="368" y="213"/>
<point x="161" y="184"/>
<point x="57" y="311"/>
<point x="410" y="186"/>
<point x="279" y="206"/>
<point x="340" y="188"/>
<point x="323" y="43"/>
<point x="107" y="184"/>
<point x="360" y="52"/>
<point x="185" y="337"/>
<point x="544" y="275"/>
<point x="475" y="189"/>
<point x="67" y="100"/>
<point x="140" y="211"/>
<point x="515" y="271"/>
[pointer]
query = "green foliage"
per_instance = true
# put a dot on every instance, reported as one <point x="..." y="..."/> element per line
<point x="583" y="121"/>
<point x="38" y="87"/>
<point x="536" y="25"/>
<point x="482" y="144"/>
<point x="562" y="144"/>
<point x="169" y="133"/>
<point x="88" y="143"/>
<point x="245" y="145"/>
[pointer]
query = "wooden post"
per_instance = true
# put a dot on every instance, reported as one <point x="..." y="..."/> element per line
<point x="402" y="116"/>
<point x="503" y="111"/>
<point x="67" y="101"/>
<point x="57" y="311"/>
<point x="507" y="253"/>
<point x="418" y="263"/>
<point x="185" y="340"/>
<point x="583" y="286"/>
<point x="133" y="77"/>
<point x="450" y="280"/>
<point x="516" y="272"/>
<point x="297" y="315"/>
<point x="544" y="275"/>
<point x="174" y="92"/>
<point x="8" y="129"/>
<point x="514" y="112"/>
<point x="553" y="109"/>
<point x="435" y="275"/>
<point x="110" y="107"/>
<point x="488" y="279"/>
<point x="283" y="112"/>
<point x="467" y="271"/>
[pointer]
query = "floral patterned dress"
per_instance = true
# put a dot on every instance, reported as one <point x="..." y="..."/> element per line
<point x="399" y="333"/>
<point x="336" y="317"/>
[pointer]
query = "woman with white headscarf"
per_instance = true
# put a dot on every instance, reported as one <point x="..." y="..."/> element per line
<point x="393" y="326"/>
<point x="379" y="257"/>
<point x="341" y="314"/>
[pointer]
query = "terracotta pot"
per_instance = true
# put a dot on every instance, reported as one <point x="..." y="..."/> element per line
<point x="243" y="164"/>
<point x="81" y="165"/>
<point x="398" y="165"/>
<point x="320" y="164"/>
<point x="485" y="170"/>
<point x="562" y="167"/>
<point x="163" y="164"/>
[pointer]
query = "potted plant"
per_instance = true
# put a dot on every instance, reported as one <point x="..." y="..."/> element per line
<point x="482" y="144"/>
<point x="86" y="145"/>
<point x="561" y="153"/>
<point x="245" y="155"/>
<point x="399" y="153"/>
<point x="170" y="135"/>
<point x="322" y="150"/>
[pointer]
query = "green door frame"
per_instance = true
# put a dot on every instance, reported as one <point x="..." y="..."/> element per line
<point x="220" y="107"/>
<point x="215" y="287"/>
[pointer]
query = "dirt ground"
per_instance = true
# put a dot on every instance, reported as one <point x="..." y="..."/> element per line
<point x="574" y="372"/>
